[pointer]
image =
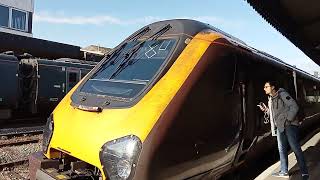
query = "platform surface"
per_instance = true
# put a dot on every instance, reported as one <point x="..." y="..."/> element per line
<point x="311" y="150"/>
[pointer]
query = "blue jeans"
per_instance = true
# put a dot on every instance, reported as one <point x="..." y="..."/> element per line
<point x="290" y="134"/>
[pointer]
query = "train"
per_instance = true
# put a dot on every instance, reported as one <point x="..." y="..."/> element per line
<point x="32" y="87"/>
<point x="177" y="99"/>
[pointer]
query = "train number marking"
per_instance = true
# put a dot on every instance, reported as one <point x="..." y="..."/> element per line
<point x="53" y="99"/>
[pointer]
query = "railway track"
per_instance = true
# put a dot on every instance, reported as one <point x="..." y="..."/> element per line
<point x="15" y="149"/>
<point x="13" y="163"/>
<point x="18" y="126"/>
<point x="21" y="130"/>
<point x="19" y="141"/>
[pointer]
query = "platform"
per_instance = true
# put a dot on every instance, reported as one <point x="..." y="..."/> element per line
<point x="311" y="150"/>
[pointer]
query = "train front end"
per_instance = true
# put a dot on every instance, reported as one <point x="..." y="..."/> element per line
<point x="110" y="124"/>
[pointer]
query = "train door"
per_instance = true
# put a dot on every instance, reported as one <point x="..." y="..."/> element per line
<point x="255" y="96"/>
<point x="256" y="126"/>
<point x="249" y="92"/>
<point x="51" y="88"/>
<point x="72" y="78"/>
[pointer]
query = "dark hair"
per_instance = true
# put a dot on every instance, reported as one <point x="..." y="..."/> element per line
<point x="274" y="84"/>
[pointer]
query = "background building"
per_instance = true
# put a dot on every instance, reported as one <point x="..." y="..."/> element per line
<point x="16" y="36"/>
<point x="16" y="17"/>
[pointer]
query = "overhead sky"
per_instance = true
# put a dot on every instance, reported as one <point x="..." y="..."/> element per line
<point x="108" y="22"/>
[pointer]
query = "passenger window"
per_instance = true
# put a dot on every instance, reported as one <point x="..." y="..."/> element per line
<point x="73" y="78"/>
<point x="312" y="93"/>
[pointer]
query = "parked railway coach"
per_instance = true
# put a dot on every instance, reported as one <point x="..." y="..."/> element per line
<point x="175" y="100"/>
<point x="33" y="87"/>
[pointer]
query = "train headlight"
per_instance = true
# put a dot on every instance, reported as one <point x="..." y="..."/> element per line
<point x="119" y="157"/>
<point x="47" y="133"/>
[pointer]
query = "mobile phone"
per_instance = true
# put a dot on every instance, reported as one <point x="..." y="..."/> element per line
<point x="261" y="105"/>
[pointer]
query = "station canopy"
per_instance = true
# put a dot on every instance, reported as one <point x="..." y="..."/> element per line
<point x="298" y="20"/>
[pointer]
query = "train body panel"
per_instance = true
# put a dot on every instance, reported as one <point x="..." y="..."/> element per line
<point x="35" y="86"/>
<point x="8" y="66"/>
<point x="181" y="105"/>
<point x="56" y="78"/>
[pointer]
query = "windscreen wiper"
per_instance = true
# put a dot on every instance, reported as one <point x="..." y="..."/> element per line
<point x="154" y="36"/>
<point x="132" y="51"/>
<point x="133" y="37"/>
<point x="116" y="52"/>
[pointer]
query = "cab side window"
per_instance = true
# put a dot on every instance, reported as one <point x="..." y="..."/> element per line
<point x="73" y="78"/>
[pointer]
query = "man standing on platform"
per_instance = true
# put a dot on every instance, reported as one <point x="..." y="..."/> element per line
<point x="282" y="110"/>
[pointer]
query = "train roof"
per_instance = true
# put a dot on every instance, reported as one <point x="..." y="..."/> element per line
<point x="187" y="26"/>
<point x="278" y="61"/>
<point x="297" y="20"/>
<point x="60" y="61"/>
<point x="8" y="57"/>
<point x="66" y="62"/>
<point x="270" y="58"/>
<point x="38" y="47"/>
<point x="181" y="26"/>
<point x="192" y="27"/>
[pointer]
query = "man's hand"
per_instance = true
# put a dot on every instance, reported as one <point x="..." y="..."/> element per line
<point x="263" y="107"/>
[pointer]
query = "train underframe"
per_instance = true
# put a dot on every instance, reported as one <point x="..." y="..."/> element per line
<point x="41" y="168"/>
